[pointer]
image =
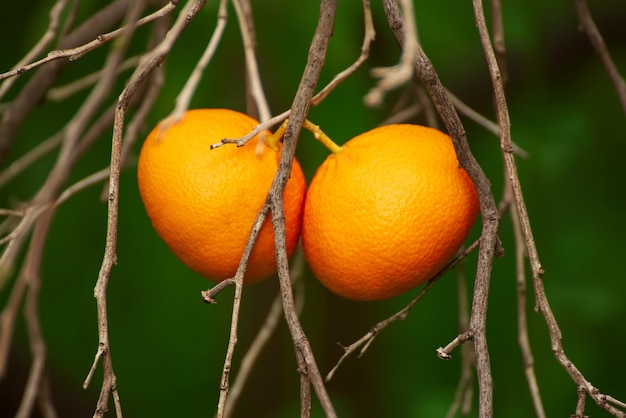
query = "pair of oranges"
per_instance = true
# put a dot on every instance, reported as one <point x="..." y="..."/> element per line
<point x="382" y="214"/>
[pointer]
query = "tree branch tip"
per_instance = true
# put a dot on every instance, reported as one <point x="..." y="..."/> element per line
<point x="208" y="296"/>
<point x="442" y="354"/>
<point x="373" y="99"/>
<point x="239" y="142"/>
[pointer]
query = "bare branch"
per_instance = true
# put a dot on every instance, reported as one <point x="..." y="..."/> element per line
<point x="597" y="42"/>
<point x="265" y="332"/>
<point x="61" y="93"/>
<point x="257" y="130"/>
<point x="35" y="89"/>
<point x="209" y="296"/>
<point x="484" y="122"/>
<point x="392" y="77"/>
<point x="32" y="272"/>
<point x="54" y="17"/>
<point x="363" y="343"/>
<point x="75" y="53"/>
<point x="109" y="385"/>
<point x="464" y="391"/>
<point x="184" y="97"/>
<point x="307" y="365"/>
<point x="522" y="317"/>
<point x="499" y="44"/>
<point x="255" y="86"/>
<point x="28" y="159"/>
<point x="368" y="37"/>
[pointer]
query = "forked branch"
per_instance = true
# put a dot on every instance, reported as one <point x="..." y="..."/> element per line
<point x="153" y="59"/>
<point x="364" y="342"/>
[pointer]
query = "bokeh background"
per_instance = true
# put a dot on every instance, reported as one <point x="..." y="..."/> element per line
<point x="168" y="347"/>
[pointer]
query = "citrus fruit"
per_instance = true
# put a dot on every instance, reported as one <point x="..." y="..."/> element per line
<point x="386" y="211"/>
<point x="203" y="202"/>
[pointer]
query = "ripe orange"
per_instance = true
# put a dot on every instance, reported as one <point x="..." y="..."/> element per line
<point x="203" y="202"/>
<point x="386" y="211"/>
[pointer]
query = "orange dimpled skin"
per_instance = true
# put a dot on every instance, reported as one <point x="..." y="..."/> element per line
<point x="386" y="212"/>
<point x="203" y="202"/>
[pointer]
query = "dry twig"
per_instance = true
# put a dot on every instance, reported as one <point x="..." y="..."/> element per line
<point x="368" y="37"/>
<point x="75" y="53"/>
<point x="401" y="73"/>
<point x="184" y="97"/>
<point x="266" y="331"/>
<point x="597" y="42"/>
<point x="54" y="17"/>
<point x="364" y="342"/>
<point x="465" y="388"/>
<point x="153" y="59"/>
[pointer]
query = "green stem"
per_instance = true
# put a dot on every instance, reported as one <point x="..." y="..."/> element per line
<point x="272" y="141"/>
<point x="321" y="136"/>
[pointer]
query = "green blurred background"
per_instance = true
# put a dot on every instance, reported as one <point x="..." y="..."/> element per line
<point x="168" y="347"/>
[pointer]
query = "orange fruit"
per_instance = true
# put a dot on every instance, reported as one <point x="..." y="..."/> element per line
<point x="386" y="212"/>
<point x="203" y="202"/>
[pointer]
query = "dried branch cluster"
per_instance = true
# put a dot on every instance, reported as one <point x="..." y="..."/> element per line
<point x="27" y="226"/>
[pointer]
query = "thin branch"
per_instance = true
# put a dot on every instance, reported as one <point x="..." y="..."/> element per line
<point x="522" y="317"/>
<point x="255" y="86"/>
<point x="184" y="97"/>
<point x="597" y="42"/>
<point x="44" y="399"/>
<point x="363" y="343"/>
<point x="28" y="159"/>
<point x="368" y="37"/>
<point x="32" y="272"/>
<point x="11" y="212"/>
<point x="75" y="53"/>
<point x="309" y="371"/>
<point x="392" y="77"/>
<point x="60" y="93"/>
<point x="464" y="391"/>
<point x="499" y="44"/>
<point x="257" y="130"/>
<point x="156" y="56"/>
<point x="54" y="17"/>
<point x="65" y="161"/>
<point x="35" y="89"/>
<point x="492" y="127"/>
<point x="209" y="295"/>
<point x="265" y="333"/>
<point x="7" y="320"/>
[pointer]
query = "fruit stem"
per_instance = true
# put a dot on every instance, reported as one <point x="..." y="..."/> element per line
<point x="272" y="141"/>
<point x="321" y="136"/>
